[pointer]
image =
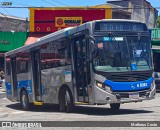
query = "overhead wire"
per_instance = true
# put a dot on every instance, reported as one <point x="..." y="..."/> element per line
<point x="7" y="11"/>
<point x="84" y="6"/>
<point x="60" y="3"/>
<point x="48" y="2"/>
<point x="3" y="15"/>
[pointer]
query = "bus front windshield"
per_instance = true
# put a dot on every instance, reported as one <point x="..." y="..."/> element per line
<point x="122" y="53"/>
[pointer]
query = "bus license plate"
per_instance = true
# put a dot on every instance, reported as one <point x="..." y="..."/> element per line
<point x="134" y="95"/>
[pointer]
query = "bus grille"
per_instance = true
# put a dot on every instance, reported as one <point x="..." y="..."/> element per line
<point x="126" y="95"/>
<point x="129" y="77"/>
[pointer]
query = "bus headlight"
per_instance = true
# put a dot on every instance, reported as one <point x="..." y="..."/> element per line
<point x="100" y="85"/>
<point x="104" y="87"/>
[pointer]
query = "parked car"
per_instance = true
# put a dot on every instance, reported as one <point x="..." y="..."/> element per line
<point x="157" y="81"/>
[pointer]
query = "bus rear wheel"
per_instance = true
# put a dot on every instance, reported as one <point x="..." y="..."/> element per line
<point x="115" y="106"/>
<point x="65" y="100"/>
<point x="24" y="101"/>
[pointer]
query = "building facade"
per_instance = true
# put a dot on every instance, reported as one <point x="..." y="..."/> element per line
<point x="13" y="34"/>
<point x="10" y="41"/>
<point x="13" y="24"/>
<point x="140" y="10"/>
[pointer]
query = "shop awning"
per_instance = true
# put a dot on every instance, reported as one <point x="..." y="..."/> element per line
<point x="32" y="38"/>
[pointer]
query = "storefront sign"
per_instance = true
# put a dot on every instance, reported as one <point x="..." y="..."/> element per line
<point x="5" y="42"/>
<point x="68" y="21"/>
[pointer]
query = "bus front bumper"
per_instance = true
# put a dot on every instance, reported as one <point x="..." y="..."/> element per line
<point x="103" y="97"/>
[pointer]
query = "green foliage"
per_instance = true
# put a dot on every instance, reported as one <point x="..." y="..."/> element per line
<point x="158" y="22"/>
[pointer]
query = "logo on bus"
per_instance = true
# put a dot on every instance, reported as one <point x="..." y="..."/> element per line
<point x="132" y="86"/>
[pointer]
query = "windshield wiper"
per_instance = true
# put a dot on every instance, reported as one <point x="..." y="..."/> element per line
<point x="116" y="47"/>
<point x="128" y="52"/>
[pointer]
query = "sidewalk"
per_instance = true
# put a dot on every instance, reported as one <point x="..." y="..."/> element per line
<point x="2" y="112"/>
<point x="2" y="91"/>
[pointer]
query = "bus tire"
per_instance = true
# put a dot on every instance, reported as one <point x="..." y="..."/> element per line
<point x="65" y="100"/>
<point x="24" y="101"/>
<point x="115" y="106"/>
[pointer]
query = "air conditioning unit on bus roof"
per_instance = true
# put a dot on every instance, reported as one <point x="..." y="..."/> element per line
<point x="54" y="33"/>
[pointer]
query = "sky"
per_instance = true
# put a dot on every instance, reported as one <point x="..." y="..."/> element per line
<point x="24" y="12"/>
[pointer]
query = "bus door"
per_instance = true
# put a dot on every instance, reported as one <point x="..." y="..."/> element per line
<point x="36" y="74"/>
<point x="80" y="68"/>
<point x="14" y="78"/>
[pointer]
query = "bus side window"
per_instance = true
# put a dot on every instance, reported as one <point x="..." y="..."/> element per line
<point x="22" y="62"/>
<point x="55" y="54"/>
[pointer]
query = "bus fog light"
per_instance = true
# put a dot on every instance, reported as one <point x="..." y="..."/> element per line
<point x="108" y="98"/>
<point x="107" y="88"/>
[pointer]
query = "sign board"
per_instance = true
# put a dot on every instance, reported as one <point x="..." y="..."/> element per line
<point x="67" y="21"/>
<point x="47" y="20"/>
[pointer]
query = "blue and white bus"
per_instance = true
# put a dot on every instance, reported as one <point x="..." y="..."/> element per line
<point x="98" y="62"/>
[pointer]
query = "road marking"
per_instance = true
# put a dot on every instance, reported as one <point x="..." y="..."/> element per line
<point x="18" y="112"/>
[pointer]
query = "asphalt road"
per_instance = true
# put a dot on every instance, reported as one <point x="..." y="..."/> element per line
<point x="141" y="111"/>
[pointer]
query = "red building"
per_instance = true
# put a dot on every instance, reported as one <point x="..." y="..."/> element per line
<point x="47" y="20"/>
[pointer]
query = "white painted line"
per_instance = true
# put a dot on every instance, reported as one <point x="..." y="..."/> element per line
<point x="18" y="112"/>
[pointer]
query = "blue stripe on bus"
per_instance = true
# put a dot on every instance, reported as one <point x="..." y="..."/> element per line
<point x="27" y="84"/>
<point x="8" y="88"/>
<point x="129" y="86"/>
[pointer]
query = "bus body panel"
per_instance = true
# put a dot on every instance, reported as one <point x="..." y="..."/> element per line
<point x="52" y="80"/>
<point x="24" y="81"/>
<point x="9" y="90"/>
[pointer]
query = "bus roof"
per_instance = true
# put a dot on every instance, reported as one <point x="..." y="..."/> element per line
<point x="49" y="37"/>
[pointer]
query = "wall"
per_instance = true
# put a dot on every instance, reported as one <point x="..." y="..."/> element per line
<point x="9" y="23"/>
<point x="147" y="15"/>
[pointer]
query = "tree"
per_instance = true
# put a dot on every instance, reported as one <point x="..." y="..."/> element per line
<point x="158" y="22"/>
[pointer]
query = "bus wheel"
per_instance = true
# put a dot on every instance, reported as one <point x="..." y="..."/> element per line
<point x="66" y="101"/>
<point x="115" y="106"/>
<point x="24" y="100"/>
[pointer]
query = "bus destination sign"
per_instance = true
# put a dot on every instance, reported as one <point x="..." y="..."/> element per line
<point x="120" y="26"/>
